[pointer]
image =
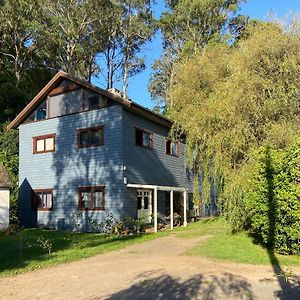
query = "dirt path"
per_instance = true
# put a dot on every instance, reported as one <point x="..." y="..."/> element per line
<point x="151" y="270"/>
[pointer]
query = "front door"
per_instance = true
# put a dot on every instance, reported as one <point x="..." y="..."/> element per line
<point x="144" y="199"/>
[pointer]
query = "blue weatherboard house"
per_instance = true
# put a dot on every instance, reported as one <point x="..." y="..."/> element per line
<point x="85" y="149"/>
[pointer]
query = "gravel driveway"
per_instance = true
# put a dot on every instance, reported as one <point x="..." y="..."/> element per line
<point x="155" y="269"/>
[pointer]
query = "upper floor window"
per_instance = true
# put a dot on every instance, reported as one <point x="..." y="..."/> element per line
<point x="42" y="199"/>
<point x="143" y="138"/>
<point x="44" y="143"/>
<point x="94" y="101"/>
<point x="172" y="148"/>
<point x="90" y="137"/>
<point x="91" y="198"/>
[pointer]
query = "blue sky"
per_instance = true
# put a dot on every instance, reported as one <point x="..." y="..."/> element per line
<point x="258" y="9"/>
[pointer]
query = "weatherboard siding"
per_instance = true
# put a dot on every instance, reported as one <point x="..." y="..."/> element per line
<point x="150" y="166"/>
<point x="69" y="167"/>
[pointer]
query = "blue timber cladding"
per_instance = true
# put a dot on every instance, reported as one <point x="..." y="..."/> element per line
<point x="69" y="167"/>
<point x="150" y="166"/>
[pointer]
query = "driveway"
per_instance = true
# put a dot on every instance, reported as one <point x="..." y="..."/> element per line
<point x="152" y="270"/>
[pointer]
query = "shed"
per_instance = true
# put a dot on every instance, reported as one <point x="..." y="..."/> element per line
<point x="5" y="186"/>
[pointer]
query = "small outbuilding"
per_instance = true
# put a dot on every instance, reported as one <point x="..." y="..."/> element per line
<point x="5" y="186"/>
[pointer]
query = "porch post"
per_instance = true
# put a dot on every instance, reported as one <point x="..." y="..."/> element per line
<point x="155" y="209"/>
<point x="184" y="208"/>
<point x="171" y="209"/>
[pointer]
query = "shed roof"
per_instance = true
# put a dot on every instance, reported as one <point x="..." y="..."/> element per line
<point x="57" y="79"/>
<point x="5" y="181"/>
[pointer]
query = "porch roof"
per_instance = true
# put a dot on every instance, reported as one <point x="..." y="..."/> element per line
<point x="157" y="187"/>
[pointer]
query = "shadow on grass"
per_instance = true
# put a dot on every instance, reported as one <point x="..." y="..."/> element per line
<point x="227" y="286"/>
<point x="25" y="250"/>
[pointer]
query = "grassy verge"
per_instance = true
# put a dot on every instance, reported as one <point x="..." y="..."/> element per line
<point x="29" y="249"/>
<point x="223" y="246"/>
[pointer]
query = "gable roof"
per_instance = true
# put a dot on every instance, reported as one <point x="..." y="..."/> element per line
<point x="60" y="76"/>
<point x="5" y="181"/>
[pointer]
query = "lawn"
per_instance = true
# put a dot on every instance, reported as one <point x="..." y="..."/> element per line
<point x="33" y="249"/>
<point x="29" y="249"/>
<point x="223" y="246"/>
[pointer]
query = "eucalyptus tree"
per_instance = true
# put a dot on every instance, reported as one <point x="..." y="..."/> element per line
<point x="71" y="34"/>
<point x="132" y="26"/>
<point x="187" y="26"/>
<point x="18" y="35"/>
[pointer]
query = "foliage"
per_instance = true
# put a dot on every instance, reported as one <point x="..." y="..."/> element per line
<point x="230" y="100"/>
<point x="9" y="147"/>
<point x="45" y="244"/>
<point x="187" y="26"/>
<point x="273" y="199"/>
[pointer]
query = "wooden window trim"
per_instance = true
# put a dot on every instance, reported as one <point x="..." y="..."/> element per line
<point x="80" y="130"/>
<point x="91" y="189"/>
<point x="34" y="201"/>
<point x="177" y="148"/>
<point x="43" y="137"/>
<point x="150" y="138"/>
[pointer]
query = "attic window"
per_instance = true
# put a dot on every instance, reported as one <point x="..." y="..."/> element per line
<point x="93" y="101"/>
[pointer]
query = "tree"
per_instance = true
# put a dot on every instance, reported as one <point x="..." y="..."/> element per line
<point x="18" y="35"/>
<point x="187" y="26"/>
<point x="132" y="26"/>
<point x="9" y="146"/>
<point x="230" y="100"/>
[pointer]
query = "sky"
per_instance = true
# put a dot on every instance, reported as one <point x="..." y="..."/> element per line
<point x="257" y="9"/>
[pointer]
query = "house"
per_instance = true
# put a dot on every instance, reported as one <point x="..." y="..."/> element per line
<point x="89" y="150"/>
<point x="5" y="186"/>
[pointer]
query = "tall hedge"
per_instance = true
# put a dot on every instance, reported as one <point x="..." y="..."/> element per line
<point x="273" y="199"/>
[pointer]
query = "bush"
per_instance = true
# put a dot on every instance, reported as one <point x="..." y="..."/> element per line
<point x="273" y="199"/>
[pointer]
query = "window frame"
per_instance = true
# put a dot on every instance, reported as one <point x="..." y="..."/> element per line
<point x="80" y="130"/>
<point x="34" y="202"/>
<point x="150" y="137"/>
<point x="171" y="148"/>
<point x="43" y="137"/>
<point x="91" y="189"/>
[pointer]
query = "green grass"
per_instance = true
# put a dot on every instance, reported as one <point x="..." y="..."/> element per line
<point x="221" y="245"/>
<point x="23" y="252"/>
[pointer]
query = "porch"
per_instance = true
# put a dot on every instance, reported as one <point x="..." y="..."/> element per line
<point x="171" y="189"/>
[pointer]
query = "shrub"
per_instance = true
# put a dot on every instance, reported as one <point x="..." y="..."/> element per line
<point x="273" y="199"/>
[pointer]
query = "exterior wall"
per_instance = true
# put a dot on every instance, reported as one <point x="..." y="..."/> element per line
<point x="4" y="207"/>
<point x="69" y="167"/>
<point x="65" y="103"/>
<point x="150" y="166"/>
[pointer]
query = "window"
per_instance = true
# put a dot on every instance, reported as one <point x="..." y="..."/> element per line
<point x="42" y="199"/>
<point x="91" y="198"/>
<point x="93" y="101"/>
<point x="172" y="148"/>
<point x="90" y="137"/>
<point x="44" y="144"/>
<point x="143" y="138"/>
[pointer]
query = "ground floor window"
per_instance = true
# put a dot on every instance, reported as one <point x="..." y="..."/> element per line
<point x="91" y="198"/>
<point x="42" y="199"/>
